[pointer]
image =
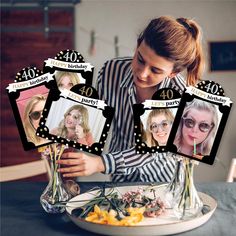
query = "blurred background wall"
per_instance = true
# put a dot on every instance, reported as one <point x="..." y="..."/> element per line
<point x="101" y="30"/>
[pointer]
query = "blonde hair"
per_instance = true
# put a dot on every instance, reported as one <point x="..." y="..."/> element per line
<point x="62" y="130"/>
<point x="30" y="130"/>
<point x="154" y="113"/>
<point x="74" y="78"/>
<point x="205" y="146"/>
<point x="179" y="41"/>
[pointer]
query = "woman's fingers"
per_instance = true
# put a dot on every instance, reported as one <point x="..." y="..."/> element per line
<point x="72" y="155"/>
<point x="71" y="169"/>
<point x="69" y="162"/>
<point x="75" y="164"/>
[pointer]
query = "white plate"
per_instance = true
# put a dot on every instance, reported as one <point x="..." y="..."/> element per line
<point x="165" y="224"/>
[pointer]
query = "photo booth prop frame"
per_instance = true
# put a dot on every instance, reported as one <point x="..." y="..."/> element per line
<point x="165" y="98"/>
<point x="28" y="79"/>
<point x="80" y="94"/>
<point x="208" y="92"/>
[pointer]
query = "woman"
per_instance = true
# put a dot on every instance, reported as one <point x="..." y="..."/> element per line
<point x="32" y="115"/>
<point x="159" y="124"/>
<point x="197" y="128"/>
<point x="75" y="125"/>
<point x="66" y="80"/>
<point x="166" y="47"/>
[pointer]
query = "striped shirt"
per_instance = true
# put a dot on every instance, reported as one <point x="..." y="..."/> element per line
<point x="115" y="86"/>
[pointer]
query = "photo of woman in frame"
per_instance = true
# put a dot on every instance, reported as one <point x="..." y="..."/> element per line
<point x="158" y="126"/>
<point x="197" y="129"/>
<point x="75" y="125"/>
<point x="30" y="105"/>
<point x="32" y="115"/>
<point x="73" y="121"/>
<point x="66" y="79"/>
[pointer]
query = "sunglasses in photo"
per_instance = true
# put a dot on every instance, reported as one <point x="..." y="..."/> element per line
<point x="164" y="125"/>
<point x="202" y="126"/>
<point x="35" y="115"/>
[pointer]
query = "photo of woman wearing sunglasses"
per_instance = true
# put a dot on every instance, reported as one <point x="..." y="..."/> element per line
<point x="197" y="129"/>
<point x="31" y="117"/>
<point x="158" y="126"/>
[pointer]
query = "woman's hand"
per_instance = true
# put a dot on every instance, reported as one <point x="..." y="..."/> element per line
<point x="80" y="164"/>
<point x="79" y="131"/>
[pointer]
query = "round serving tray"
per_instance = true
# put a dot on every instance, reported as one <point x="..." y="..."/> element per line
<point x="165" y="224"/>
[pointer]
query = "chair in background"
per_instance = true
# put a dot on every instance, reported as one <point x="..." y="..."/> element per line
<point x="26" y="170"/>
<point x="232" y="171"/>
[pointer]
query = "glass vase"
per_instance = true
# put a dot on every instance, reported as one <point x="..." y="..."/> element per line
<point x="174" y="188"/>
<point x="187" y="204"/>
<point x="55" y="192"/>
